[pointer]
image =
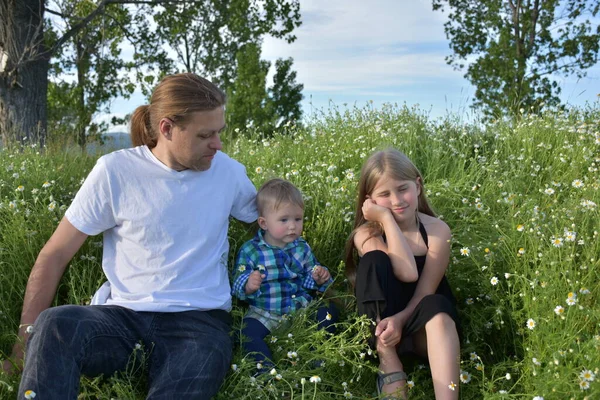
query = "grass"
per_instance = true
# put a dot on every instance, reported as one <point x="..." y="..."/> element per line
<point x="520" y="197"/>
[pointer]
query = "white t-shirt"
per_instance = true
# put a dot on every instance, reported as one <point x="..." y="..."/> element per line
<point x="165" y="232"/>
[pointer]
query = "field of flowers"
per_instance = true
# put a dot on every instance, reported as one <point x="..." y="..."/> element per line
<point x="520" y="197"/>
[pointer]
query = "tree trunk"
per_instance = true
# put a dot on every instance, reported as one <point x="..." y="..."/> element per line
<point x="24" y="77"/>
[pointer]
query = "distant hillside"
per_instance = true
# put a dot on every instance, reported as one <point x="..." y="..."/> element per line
<point x="112" y="141"/>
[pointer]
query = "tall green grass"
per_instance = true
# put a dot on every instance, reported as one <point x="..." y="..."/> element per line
<point x="521" y="199"/>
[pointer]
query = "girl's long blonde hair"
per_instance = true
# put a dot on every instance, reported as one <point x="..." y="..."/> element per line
<point x="398" y="167"/>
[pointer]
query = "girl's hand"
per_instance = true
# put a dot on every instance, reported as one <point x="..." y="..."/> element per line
<point x="373" y="212"/>
<point x="254" y="281"/>
<point x="389" y="330"/>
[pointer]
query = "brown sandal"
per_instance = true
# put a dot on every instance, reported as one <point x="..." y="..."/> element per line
<point x="386" y="379"/>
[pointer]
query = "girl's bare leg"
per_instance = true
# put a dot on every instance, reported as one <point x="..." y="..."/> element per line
<point x="440" y="342"/>
<point x="390" y="362"/>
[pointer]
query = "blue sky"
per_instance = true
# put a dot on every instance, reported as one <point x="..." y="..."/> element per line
<point x="385" y="51"/>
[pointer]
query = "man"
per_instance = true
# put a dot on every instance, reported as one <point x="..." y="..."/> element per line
<point x="164" y="209"/>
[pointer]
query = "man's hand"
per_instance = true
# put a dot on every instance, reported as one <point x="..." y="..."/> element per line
<point x="320" y="275"/>
<point x="254" y="281"/>
<point x="389" y="330"/>
<point x="15" y="363"/>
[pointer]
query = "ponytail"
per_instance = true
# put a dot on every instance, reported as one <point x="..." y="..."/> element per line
<point x="141" y="129"/>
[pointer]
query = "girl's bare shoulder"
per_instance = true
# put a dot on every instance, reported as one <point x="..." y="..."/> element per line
<point x="435" y="227"/>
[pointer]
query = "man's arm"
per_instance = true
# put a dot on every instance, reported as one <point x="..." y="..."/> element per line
<point x="43" y="280"/>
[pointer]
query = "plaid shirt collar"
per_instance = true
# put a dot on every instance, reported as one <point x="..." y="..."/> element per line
<point x="261" y="242"/>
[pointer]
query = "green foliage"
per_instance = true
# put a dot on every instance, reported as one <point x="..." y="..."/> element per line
<point x="519" y="47"/>
<point x="520" y="197"/>
<point x="207" y="35"/>
<point x="248" y="102"/>
<point x="251" y="104"/>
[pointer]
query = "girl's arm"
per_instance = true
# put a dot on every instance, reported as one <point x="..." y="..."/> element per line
<point x="389" y="329"/>
<point x="438" y="257"/>
<point x="396" y="247"/>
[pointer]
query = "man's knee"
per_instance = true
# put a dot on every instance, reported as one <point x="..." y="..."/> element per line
<point x="59" y="322"/>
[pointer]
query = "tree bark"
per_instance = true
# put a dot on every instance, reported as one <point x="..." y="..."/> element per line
<point x="24" y="78"/>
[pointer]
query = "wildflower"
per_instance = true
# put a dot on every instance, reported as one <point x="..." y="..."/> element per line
<point x="29" y="394"/>
<point x="261" y="268"/>
<point x="465" y="251"/>
<point x="347" y="395"/>
<point x="20" y="188"/>
<point x="290" y="335"/>
<point x="469" y="301"/>
<point x="570" y="236"/>
<point x="259" y="170"/>
<point x="588" y="204"/>
<point x="29" y="329"/>
<point x="521" y="251"/>
<point x="234" y="367"/>
<point x="538" y="398"/>
<point x="520" y="227"/>
<point x="584" y="291"/>
<point x="452" y="386"/>
<point x="315" y="379"/>
<point x="46" y="185"/>
<point x="557" y="242"/>
<point x="577" y="184"/>
<point x="328" y="317"/>
<point x="507" y="376"/>
<point x="571" y="299"/>
<point x="350" y="175"/>
<point x="479" y="367"/>
<point x="473" y="356"/>
<point x="278" y="377"/>
<point x="507" y="275"/>
<point x="138" y="346"/>
<point x="494" y="281"/>
<point x="242" y="268"/>
<point x="587" y="375"/>
<point x="479" y="206"/>
<point x="52" y="206"/>
<point x="536" y="362"/>
<point x="292" y="354"/>
<point x="549" y="191"/>
<point x="584" y="385"/>
<point x="273" y="339"/>
<point x="273" y="372"/>
<point x="259" y="366"/>
<point x="559" y="310"/>
<point x="465" y="377"/>
<point x="410" y="384"/>
<point x="530" y="324"/>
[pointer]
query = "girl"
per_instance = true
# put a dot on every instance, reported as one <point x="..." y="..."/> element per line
<point x="403" y="251"/>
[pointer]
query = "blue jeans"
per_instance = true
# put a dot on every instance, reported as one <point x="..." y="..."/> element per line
<point x="188" y="353"/>
<point x="255" y="333"/>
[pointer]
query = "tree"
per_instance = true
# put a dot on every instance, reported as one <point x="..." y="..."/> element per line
<point x="252" y="103"/>
<point x="93" y="53"/>
<point x="286" y="94"/>
<point x="519" y="47"/>
<point x="27" y="45"/>
<point x="248" y="103"/>
<point x="207" y="37"/>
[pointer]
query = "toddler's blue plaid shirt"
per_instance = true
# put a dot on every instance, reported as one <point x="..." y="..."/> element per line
<point x="288" y="273"/>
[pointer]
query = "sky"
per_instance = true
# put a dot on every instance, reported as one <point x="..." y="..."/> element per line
<point x="352" y="52"/>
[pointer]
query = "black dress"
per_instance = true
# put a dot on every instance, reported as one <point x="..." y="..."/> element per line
<point x="379" y="292"/>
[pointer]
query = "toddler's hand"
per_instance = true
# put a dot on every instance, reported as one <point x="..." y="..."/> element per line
<point x="254" y="281"/>
<point x="320" y="275"/>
